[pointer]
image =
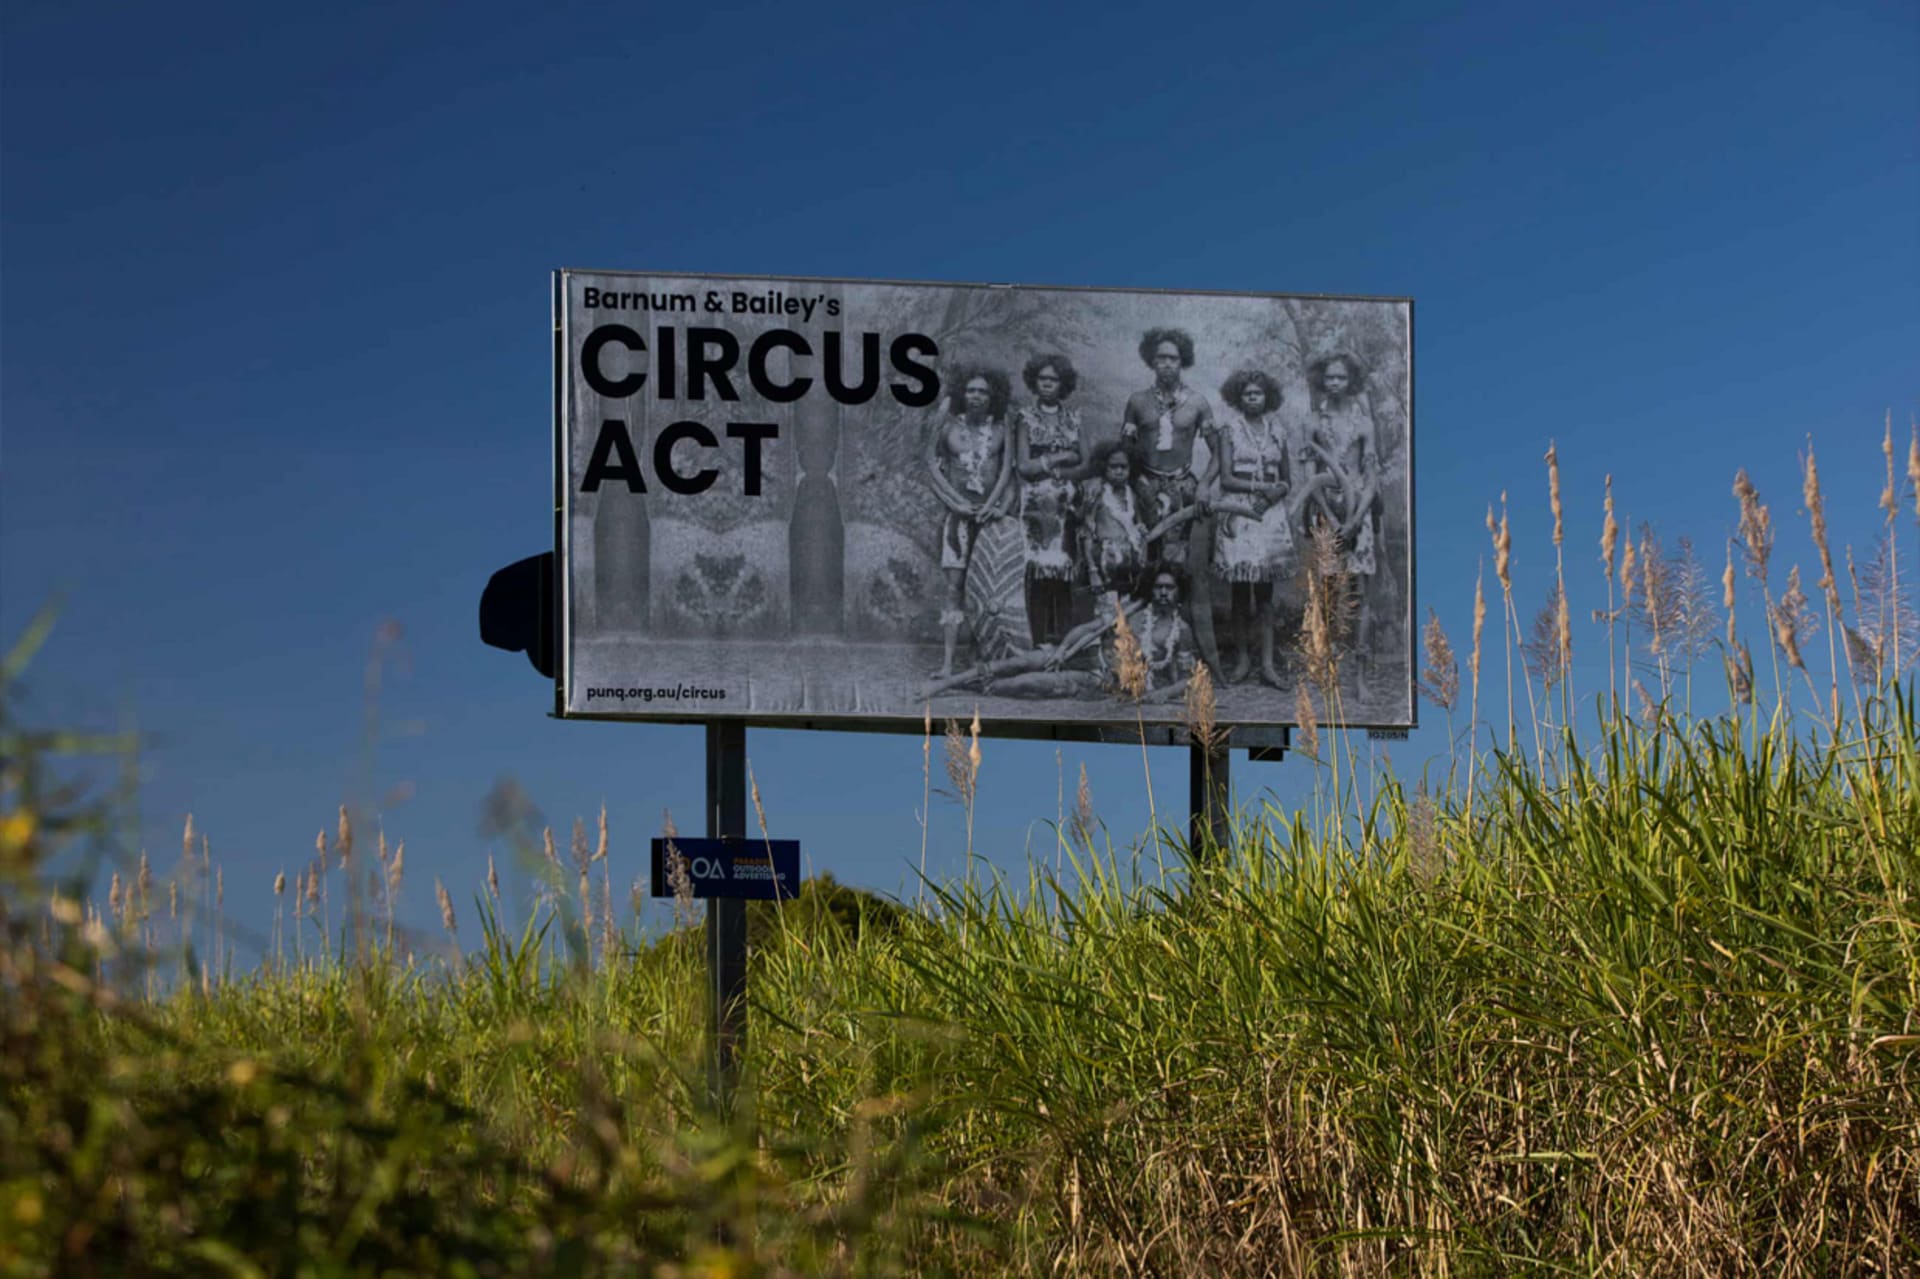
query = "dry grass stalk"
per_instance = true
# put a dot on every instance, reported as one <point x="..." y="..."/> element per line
<point x="1305" y="721"/>
<point x="1609" y="542"/>
<point x="173" y="899"/>
<point x="493" y="880"/>
<point x="753" y="793"/>
<point x="1817" y="517"/>
<point x="1202" y="714"/>
<point x="447" y="920"/>
<point x="343" y="841"/>
<point x="973" y="748"/>
<point x="1440" y="681"/>
<point x="1740" y="673"/>
<point x="1913" y="471"/>
<point x="1789" y="618"/>
<point x="1083" y="807"/>
<point x="1889" y="496"/>
<point x="1609" y="531"/>
<point x="547" y="846"/>
<point x="582" y="858"/>
<point x="1325" y="616"/>
<point x="397" y="869"/>
<point x="1129" y="663"/>
<point x="1425" y="858"/>
<point x="1563" y="623"/>
<point x="679" y="878"/>
<point x="959" y="771"/>
<point x="1727" y="594"/>
<point x="1502" y="537"/>
<point x="1473" y="668"/>
<point x="1756" y="527"/>
<point x="115" y="902"/>
<point x="1829" y="585"/>
<point x="1553" y="493"/>
<point x="1656" y="592"/>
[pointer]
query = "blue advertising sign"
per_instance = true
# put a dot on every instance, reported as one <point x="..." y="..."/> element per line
<point x="757" y="868"/>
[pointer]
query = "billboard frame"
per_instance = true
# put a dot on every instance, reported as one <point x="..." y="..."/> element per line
<point x="1254" y="737"/>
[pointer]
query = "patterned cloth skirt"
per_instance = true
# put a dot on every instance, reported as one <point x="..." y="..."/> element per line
<point x="1255" y="548"/>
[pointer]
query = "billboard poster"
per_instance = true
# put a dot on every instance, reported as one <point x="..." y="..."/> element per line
<point x="849" y="502"/>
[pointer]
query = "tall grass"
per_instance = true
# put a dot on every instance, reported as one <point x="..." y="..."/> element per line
<point x="1641" y="999"/>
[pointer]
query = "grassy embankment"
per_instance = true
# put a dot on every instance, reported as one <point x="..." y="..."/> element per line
<point x="1636" y="1000"/>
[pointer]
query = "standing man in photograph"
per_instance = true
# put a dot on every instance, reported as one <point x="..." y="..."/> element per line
<point x="1160" y="426"/>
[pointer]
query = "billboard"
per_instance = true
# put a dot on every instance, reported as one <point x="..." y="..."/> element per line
<point x="848" y="503"/>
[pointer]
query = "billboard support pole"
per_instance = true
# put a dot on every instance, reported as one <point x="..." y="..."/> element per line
<point x="1209" y="786"/>
<point x="726" y="916"/>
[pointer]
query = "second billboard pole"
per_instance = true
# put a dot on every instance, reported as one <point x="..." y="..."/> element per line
<point x="727" y="916"/>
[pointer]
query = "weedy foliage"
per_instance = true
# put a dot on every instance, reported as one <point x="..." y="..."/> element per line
<point x="1639" y="1000"/>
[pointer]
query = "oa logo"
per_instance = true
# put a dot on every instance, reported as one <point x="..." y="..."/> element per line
<point x="707" y="867"/>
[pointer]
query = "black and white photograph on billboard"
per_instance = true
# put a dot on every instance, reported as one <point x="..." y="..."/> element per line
<point x="815" y="500"/>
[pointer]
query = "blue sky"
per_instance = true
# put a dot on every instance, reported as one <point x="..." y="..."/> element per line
<point x="274" y="359"/>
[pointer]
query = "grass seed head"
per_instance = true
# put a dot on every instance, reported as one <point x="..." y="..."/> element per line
<point x="753" y="792"/>
<point x="447" y="920"/>
<point x="973" y="747"/>
<point x="1727" y="594"/>
<point x="600" y="848"/>
<point x="1629" y="571"/>
<point x="959" y="767"/>
<point x="1130" y="663"/>
<point x="1609" y="531"/>
<point x="1305" y="720"/>
<point x="186" y="842"/>
<point x="219" y="887"/>
<point x="577" y="846"/>
<point x="1202" y="714"/>
<point x="1083" y="804"/>
<point x="396" y="869"/>
<point x="1889" y="496"/>
<point x="547" y="846"/>
<point x="493" y="879"/>
<point x="1479" y="620"/>
<point x="1440" y="681"/>
<point x="1756" y="526"/>
<point x="1553" y="492"/>
<point x="1503" y="550"/>
<point x="1740" y="673"/>
<point x="344" y="840"/>
<point x="1913" y="470"/>
<point x="1817" y="517"/>
<point x="1789" y="617"/>
<point x="279" y="884"/>
<point x="114" y="897"/>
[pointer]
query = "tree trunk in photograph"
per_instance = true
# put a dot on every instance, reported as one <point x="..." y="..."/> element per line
<point x="817" y="535"/>
<point x="622" y="548"/>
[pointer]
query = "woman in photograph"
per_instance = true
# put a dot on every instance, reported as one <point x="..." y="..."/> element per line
<point x="1345" y="443"/>
<point x="1113" y="530"/>
<point x="1048" y="450"/>
<point x="972" y="470"/>
<point x="1254" y="545"/>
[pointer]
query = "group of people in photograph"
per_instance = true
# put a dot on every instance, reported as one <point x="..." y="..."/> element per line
<point x="1144" y="522"/>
